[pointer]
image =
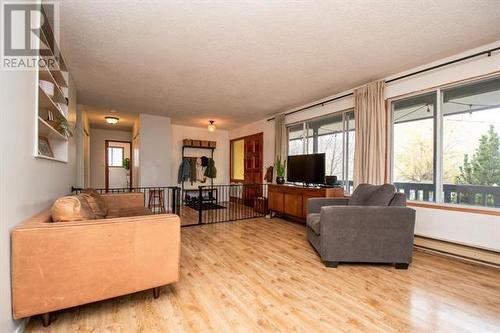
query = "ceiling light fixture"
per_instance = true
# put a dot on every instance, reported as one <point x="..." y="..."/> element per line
<point x="112" y="120"/>
<point x="211" y="126"/>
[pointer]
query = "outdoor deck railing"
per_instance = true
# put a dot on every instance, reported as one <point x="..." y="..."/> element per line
<point x="475" y="195"/>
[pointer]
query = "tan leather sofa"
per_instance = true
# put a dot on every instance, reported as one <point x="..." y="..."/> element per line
<point x="65" y="264"/>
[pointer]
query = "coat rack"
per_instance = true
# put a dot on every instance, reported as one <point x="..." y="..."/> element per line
<point x="185" y="146"/>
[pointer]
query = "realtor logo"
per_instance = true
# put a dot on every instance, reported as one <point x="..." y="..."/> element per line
<point x="29" y="34"/>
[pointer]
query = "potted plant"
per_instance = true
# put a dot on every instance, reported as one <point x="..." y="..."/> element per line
<point x="280" y="170"/>
<point x="126" y="166"/>
<point x="63" y="127"/>
<point x="126" y="163"/>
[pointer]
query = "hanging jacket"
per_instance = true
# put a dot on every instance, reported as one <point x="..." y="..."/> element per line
<point x="204" y="161"/>
<point x="184" y="171"/>
<point x="211" y="171"/>
<point x="199" y="171"/>
<point x="192" y="169"/>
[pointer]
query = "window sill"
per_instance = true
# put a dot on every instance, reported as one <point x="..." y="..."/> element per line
<point x="457" y="208"/>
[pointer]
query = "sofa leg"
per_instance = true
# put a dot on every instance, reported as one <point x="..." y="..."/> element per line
<point x="46" y="319"/>
<point x="401" y="265"/>
<point x="156" y="292"/>
<point x="331" y="264"/>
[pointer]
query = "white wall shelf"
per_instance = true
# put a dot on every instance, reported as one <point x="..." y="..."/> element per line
<point x="46" y="130"/>
<point x="52" y="108"/>
<point x="39" y="156"/>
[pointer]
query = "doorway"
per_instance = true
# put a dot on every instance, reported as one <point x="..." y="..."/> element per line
<point x="118" y="161"/>
<point x="246" y="165"/>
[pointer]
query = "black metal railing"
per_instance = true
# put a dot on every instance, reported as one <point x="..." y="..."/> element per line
<point x="223" y="203"/>
<point x="475" y="195"/>
<point x="159" y="200"/>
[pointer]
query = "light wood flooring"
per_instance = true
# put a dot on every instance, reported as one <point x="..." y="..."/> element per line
<point x="261" y="275"/>
<point x="233" y="211"/>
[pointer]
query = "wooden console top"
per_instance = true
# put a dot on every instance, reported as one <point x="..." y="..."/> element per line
<point x="292" y="200"/>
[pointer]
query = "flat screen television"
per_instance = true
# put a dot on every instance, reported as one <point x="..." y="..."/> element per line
<point x="309" y="169"/>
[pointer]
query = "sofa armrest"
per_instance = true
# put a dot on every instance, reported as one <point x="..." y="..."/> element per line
<point x="314" y="204"/>
<point x="367" y="231"/>
<point x="124" y="200"/>
<point x="60" y="265"/>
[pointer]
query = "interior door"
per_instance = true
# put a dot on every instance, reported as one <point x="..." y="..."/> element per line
<point x="253" y="168"/>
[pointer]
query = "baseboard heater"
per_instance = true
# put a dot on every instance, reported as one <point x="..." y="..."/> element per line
<point x="460" y="251"/>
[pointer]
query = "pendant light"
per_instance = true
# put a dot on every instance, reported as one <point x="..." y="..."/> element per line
<point x="211" y="126"/>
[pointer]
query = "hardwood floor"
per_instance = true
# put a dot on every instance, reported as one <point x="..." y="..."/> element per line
<point x="261" y="275"/>
<point x="233" y="211"/>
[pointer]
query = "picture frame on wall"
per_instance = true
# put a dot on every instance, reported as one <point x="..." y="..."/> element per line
<point x="44" y="147"/>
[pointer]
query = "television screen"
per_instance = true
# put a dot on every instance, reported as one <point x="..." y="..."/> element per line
<point x="306" y="169"/>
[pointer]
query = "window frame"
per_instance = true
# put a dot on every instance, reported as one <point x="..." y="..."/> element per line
<point x="345" y="140"/>
<point x="438" y="146"/>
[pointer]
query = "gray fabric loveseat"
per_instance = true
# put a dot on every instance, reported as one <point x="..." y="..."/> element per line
<point x="373" y="226"/>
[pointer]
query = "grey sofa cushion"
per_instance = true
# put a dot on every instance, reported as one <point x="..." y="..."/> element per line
<point x="372" y="195"/>
<point x="313" y="222"/>
<point x="398" y="200"/>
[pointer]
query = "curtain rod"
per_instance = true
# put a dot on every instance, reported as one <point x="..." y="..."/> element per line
<point x="451" y="62"/>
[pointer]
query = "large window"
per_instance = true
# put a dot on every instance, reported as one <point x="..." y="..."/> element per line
<point x="332" y="135"/>
<point x="413" y="146"/>
<point x="449" y="151"/>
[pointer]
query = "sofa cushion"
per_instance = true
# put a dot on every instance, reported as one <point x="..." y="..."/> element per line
<point x="372" y="195"/>
<point x="128" y="212"/>
<point x="313" y="222"/>
<point x="72" y="208"/>
<point x="96" y="203"/>
<point x="399" y="199"/>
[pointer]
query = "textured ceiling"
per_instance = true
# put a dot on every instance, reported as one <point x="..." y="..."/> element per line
<point x="238" y="61"/>
<point x="96" y="118"/>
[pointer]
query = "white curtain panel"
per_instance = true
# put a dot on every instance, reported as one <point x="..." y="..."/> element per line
<point x="281" y="139"/>
<point x="371" y="135"/>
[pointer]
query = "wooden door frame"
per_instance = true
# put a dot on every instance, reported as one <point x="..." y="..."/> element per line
<point x="261" y="151"/>
<point x="106" y="167"/>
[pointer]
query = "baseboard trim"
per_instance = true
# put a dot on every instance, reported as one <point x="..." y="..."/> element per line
<point x="458" y="251"/>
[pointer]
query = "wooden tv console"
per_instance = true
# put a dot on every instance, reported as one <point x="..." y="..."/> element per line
<point x="292" y="200"/>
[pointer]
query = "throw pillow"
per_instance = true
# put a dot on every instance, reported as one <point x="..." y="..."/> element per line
<point x="72" y="208"/>
<point x="97" y="203"/>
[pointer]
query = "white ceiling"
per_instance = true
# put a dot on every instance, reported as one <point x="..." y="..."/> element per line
<point x="96" y="118"/>
<point x="238" y="61"/>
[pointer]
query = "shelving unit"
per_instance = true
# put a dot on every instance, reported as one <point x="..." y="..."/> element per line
<point x="51" y="107"/>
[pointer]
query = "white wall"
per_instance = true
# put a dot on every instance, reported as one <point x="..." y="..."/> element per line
<point x="472" y="229"/>
<point x="154" y="150"/>
<point x="464" y="228"/>
<point x="82" y="132"/>
<point x="135" y="153"/>
<point x="98" y="139"/>
<point x="27" y="185"/>
<point x="221" y="153"/>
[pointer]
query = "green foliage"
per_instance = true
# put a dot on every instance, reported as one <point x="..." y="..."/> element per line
<point x="280" y="167"/>
<point x="63" y="127"/>
<point x="484" y="166"/>
<point x="126" y="163"/>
